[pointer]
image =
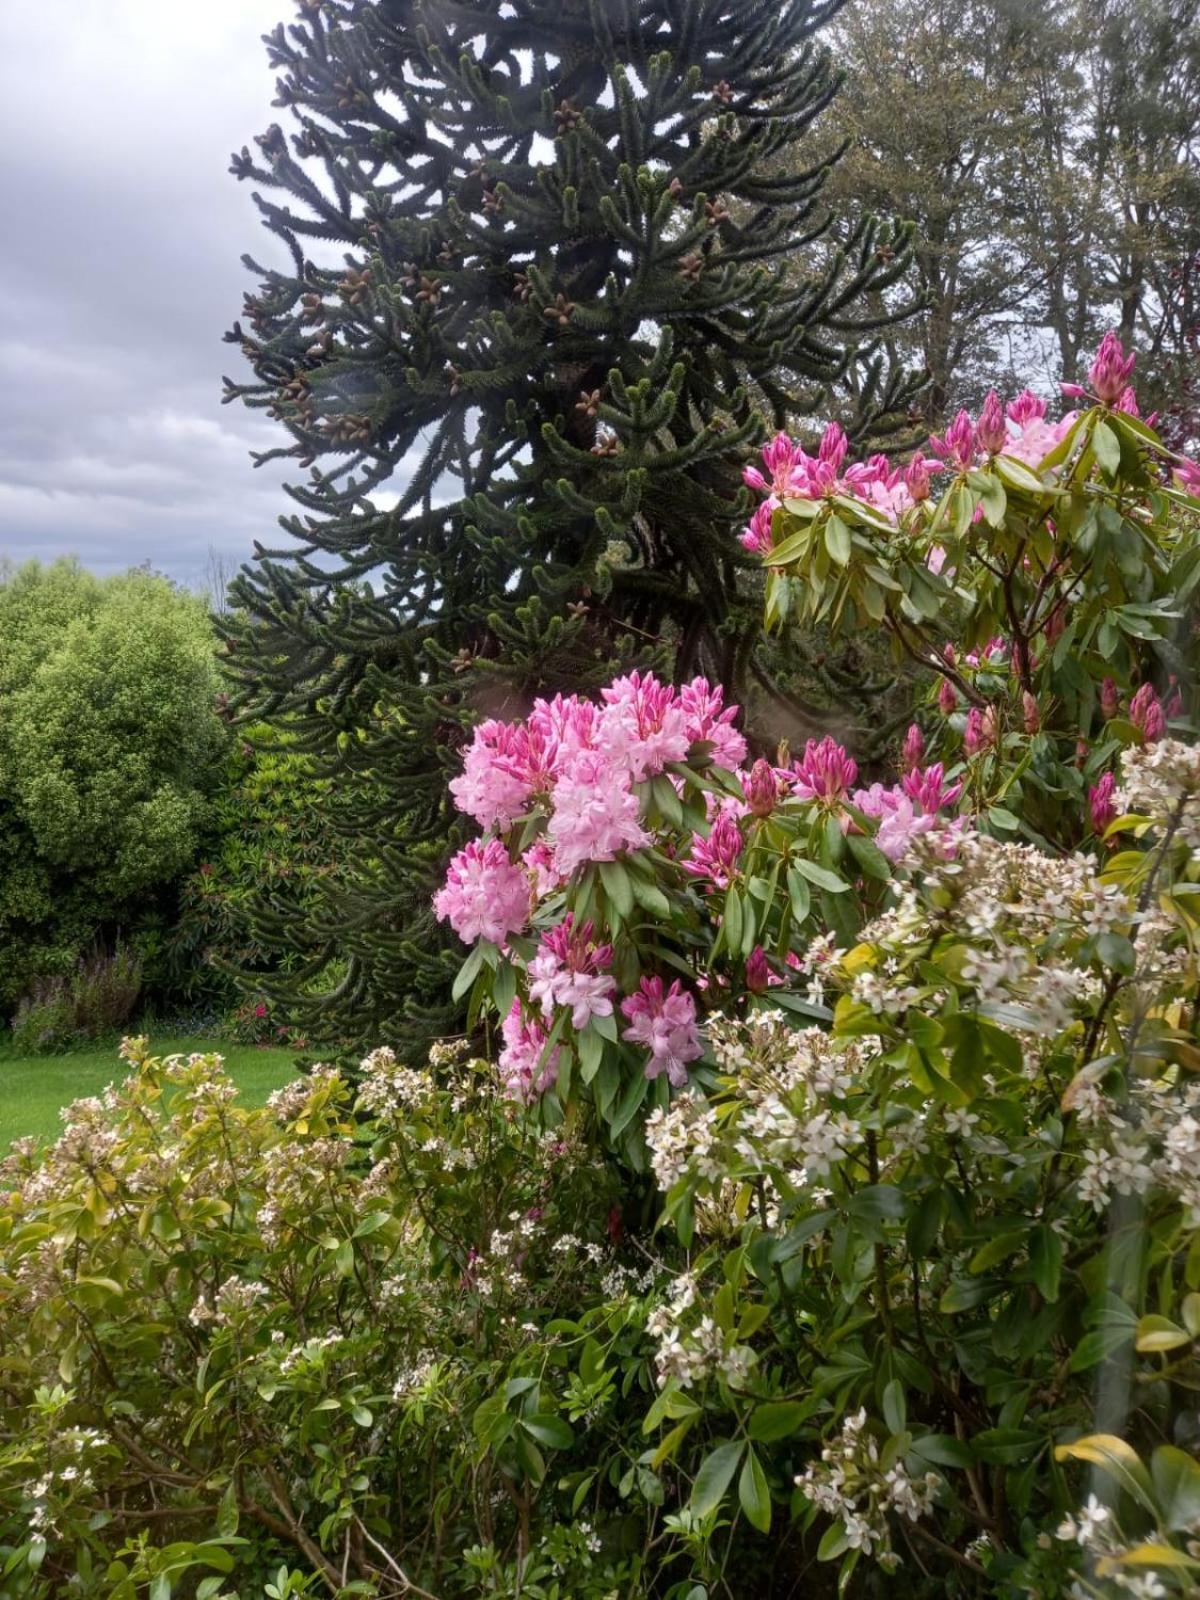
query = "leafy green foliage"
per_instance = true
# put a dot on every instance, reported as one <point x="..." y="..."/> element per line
<point x="109" y="746"/>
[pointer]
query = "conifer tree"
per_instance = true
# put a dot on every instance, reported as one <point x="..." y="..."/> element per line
<point x="543" y="295"/>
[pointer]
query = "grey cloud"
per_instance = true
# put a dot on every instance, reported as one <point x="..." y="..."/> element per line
<point x="119" y="270"/>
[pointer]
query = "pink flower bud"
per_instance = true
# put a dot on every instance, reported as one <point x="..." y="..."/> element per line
<point x="825" y="772"/>
<point x="1127" y="402"/>
<point x="1100" y="804"/>
<point x="916" y="477"/>
<point x="957" y="444"/>
<point x="989" y="725"/>
<point x="1146" y="714"/>
<point x="1111" y="370"/>
<point x="990" y="432"/>
<point x="1026" y="408"/>
<point x="913" y="751"/>
<point x="1033" y="718"/>
<point x="1055" y="623"/>
<point x="761" y="788"/>
<point x="758" y="970"/>
<point x="833" y="446"/>
<point x="1187" y="475"/>
<point x="947" y="697"/>
<point x="973" y="740"/>
<point x="1073" y="391"/>
<point x="1110" y="699"/>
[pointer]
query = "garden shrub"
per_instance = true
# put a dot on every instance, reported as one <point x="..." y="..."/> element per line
<point x="832" y="1204"/>
<point x="109" y="749"/>
<point x="94" y="1001"/>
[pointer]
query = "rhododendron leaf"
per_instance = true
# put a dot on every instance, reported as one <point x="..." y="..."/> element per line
<point x="591" y="1052"/>
<point x="1046" y="1259"/>
<point x="650" y="897"/>
<point x="625" y="1112"/>
<point x="617" y="887"/>
<point x="821" y="876"/>
<point x="776" y="1419"/>
<point x="869" y="857"/>
<point x="800" y="894"/>
<point x="1107" y="447"/>
<point x="731" y="923"/>
<point x="798" y="506"/>
<point x="837" y="540"/>
<point x="468" y="972"/>
<point x="993" y="500"/>
<point x="791" y="549"/>
<point x="1019" y="476"/>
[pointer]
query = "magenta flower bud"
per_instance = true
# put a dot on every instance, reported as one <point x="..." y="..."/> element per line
<point x="913" y="750"/>
<point x="1055" y="623"/>
<point x="990" y="431"/>
<point x="758" y="970"/>
<point x="1026" y="408"/>
<point x="1100" y="804"/>
<point x="761" y="788"/>
<point x="825" y="772"/>
<point x="1147" y="715"/>
<point x="989" y="725"/>
<point x="1111" y="370"/>
<point x="917" y="477"/>
<point x="957" y="444"/>
<point x="833" y="446"/>
<point x="1127" y="402"/>
<point x="1073" y="391"/>
<point x="1033" y="717"/>
<point x="1187" y="475"/>
<point x="1110" y="699"/>
<point x="973" y="740"/>
<point x="947" y="697"/>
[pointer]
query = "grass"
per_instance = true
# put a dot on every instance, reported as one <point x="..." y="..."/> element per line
<point x="33" y="1088"/>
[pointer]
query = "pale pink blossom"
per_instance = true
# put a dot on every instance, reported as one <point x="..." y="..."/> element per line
<point x="665" y="1023"/>
<point x="495" y="784"/>
<point x="595" y="813"/>
<point x="521" y="1067"/>
<point x="708" y="720"/>
<point x="642" y="725"/>
<point x="539" y="860"/>
<point x="485" y="896"/>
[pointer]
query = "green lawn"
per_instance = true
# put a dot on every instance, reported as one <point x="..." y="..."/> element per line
<point x="32" y="1088"/>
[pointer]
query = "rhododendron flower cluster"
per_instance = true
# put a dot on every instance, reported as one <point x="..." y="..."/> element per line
<point x="665" y="1022"/>
<point x="485" y="895"/>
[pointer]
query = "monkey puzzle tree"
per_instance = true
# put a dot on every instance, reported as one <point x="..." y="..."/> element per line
<point x="541" y="293"/>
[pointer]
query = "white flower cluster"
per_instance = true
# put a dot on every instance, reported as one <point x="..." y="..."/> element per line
<point x="388" y="1087"/>
<point x="683" y="1134"/>
<point x="692" y="1348"/>
<point x="1161" y="780"/>
<point x="852" y="1482"/>
<point x="289" y="1104"/>
<point x="1150" y="1142"/>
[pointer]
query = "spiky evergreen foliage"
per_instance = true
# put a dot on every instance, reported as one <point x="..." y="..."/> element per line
<point x="544" y="287"/>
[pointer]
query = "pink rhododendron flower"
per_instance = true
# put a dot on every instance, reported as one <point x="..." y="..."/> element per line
<point x="568" y="970"/>
<point x="716" y="857"/>
<point x="1100" y="804"/>
<point x="1187" y="475"/>
<point x="708" y="720"/>
<point x="917" y="477"/>
<point x="929" y="789"/>
<point x="642" y="725"/>
<point x="561" y="728"/>
<point x="756" y="536"/>
<point x="758" y="970"/>
<point x="782" y="458"/>
<point x="947" y="697"/>
<point x="522" y="1070"/>
<point x="1026" y="408"/>
<point x="1111" y="369"/>
<point x="665" y="1023"/>
<point x="1030" y="713"/>
<point x="957" y="444"/>
<point x="539" y="859"/>
<point x="485" y="896"/>
<point x="1147" y="715"/>
<point x="825" y="772"/>
<point x="595" y="813"/>
<point x="495" y="784"/>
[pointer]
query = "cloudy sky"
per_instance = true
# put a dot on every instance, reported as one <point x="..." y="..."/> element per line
<point x="119" y="271"/>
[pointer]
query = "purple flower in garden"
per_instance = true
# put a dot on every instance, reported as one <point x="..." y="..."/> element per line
<point x="1111" y="369"/>
<point x="664" y="1021"/>
<point x="825" y="772"/>
<point x="485" y="896"/>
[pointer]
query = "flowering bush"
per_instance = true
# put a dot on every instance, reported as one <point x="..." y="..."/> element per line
<point x="837" y="1177"/>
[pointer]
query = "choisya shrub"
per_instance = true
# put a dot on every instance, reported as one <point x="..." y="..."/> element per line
<point x="829" y="1218"/>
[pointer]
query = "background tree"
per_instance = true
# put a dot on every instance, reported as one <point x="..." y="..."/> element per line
<point x="539" y="287"/>
<point x="1048" y="156"/>
<point x="109" y="748"/>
